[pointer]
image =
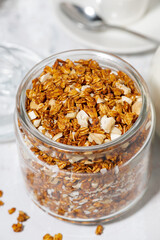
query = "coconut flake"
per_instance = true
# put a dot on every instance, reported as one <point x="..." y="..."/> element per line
<point x="32" y="115"/>
<point x="125" y="89"/>
<point x="126" y="99"/>
<point x="82" y="118"/>
<point x="103" y="170"/>
<point x="47" y="134"/>
<point x="41" y="129"/>
<point x="37" y="122"/>
<point x="97" y="137"/>
<point x="44" y="77"/>
<point x="57" y="136"/>
<point x="136" y="107"/>
<point x="107" y="123"/>
<point x="99" y="100"/>
<point x="84" y="87"/>
<point x="116" y="169"/>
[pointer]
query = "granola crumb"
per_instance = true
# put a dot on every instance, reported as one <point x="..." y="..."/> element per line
<point x="47" y="237"/>
<point x="22" y="217"/>
<point x="58" y="236"/>
<point x="99" y="230"/>
<point x="1" y="203"/>
<point x="12" y="210"/>
<point x="1" y="193"/>
<point x="17" y="227"/>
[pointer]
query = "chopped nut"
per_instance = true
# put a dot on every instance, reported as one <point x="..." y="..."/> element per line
<point x="17" y="227"/>
<point x="82" y="118"/>
<point x="57" y="136"/>
<point x="22" y="217"/>
<point x="1" y="203"/>
<point x="107" y="123"/>
<point x="1" y="193"/>
<point x="99" y="230"/>
<point x="136" y="107"/>
<point x="12" y="210"/>
<point x="98" y="138"/>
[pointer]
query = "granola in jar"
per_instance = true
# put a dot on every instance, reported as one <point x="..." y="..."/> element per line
<point x="84" y="142"/>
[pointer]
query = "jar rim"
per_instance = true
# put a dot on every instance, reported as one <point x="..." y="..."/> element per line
<point x="22" y="114"/>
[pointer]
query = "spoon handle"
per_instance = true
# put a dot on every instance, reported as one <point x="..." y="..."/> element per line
<point x="150" y="39"/>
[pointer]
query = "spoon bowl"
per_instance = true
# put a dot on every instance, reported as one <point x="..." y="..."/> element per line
<point x="87" y="18"/>
<point x="84" y="17"/>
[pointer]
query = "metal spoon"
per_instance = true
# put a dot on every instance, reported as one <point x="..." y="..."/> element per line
<point x="86" y="17"/>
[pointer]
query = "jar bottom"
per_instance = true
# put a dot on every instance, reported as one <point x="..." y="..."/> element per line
<point x="93" y="221"/>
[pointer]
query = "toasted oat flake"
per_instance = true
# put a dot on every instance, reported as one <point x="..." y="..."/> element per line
<point x="71" y="115"/>
<point x="99" y="230"/>
<point x="97" y="137"/>
<point x="12" y="210"/>
<point x="107" y="123"/>
<point x="57" y="136"/>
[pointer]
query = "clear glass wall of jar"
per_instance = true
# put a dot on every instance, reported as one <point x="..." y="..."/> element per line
<point x="86" y="197"/>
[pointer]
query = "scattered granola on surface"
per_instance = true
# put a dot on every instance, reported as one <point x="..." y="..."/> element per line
<point x="22" y="217"/>
<point x="81" y="104"/>
<point x="17" y="227"/>
<point x="12" y="210"/>
<point x="55" y="237"/>
<point x="1" y="193"/>
<point x="99" y="230"/>
<point x="1" y="203"/>
<point x="47" y="237"/>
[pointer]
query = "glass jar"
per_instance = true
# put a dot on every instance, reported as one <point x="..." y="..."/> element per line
<point x="86" y="197"/>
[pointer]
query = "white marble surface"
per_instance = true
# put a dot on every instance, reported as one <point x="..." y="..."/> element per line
<point x="32" y="24"/>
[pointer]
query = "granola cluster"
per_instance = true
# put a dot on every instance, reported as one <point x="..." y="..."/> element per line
<point x="55" y="237"/>
<point x="81" y="104"/>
